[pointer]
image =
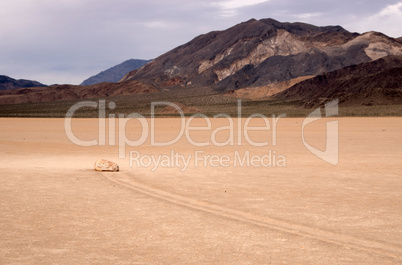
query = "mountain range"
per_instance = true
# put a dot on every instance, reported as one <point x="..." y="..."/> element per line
<point x="256" y="60"/>
<point x="11" y="83"/>
<point x="115" y="73"/>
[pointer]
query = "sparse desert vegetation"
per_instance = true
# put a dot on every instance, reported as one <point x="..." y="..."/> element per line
<point x="209" y="102"/>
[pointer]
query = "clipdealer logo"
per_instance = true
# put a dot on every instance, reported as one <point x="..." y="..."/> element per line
<point x="331" y="152"/>
<point x="199" y="158"/>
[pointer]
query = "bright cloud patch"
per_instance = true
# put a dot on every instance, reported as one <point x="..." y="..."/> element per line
<point x="229" y="7"/>
<point x="391" y="10"/>
<point x="234" y="4"/>
<point x="309" y="15"/>
<point x="388" y="21"/>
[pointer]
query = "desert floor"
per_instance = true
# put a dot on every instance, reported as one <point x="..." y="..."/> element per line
<point x="299" y="209"/>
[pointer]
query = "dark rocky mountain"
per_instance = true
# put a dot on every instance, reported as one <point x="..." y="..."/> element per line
<point x="261" y="52"/>
<point x="374" y="83"/>
<point x="115" y="73"/>
<point x="11" y="83"/>
<point x="68" y="92"/>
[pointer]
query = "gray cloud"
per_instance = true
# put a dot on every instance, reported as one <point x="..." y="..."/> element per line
<point x="66" y="41"/>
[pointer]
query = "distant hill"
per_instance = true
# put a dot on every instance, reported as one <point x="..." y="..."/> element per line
<point x="68" y="92"/>
<point x="260" y="52"/>
<point x="11" y="83"/>
<point x="374" y="83"/>
<point x="115" y="73"/>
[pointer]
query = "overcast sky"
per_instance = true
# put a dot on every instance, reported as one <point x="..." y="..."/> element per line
<point x="66" y="41"/>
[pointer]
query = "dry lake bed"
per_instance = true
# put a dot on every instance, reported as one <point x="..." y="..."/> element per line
<point x="218" y="193"/>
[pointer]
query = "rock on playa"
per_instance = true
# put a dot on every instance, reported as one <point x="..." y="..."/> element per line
<point x="105" y="165"/>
